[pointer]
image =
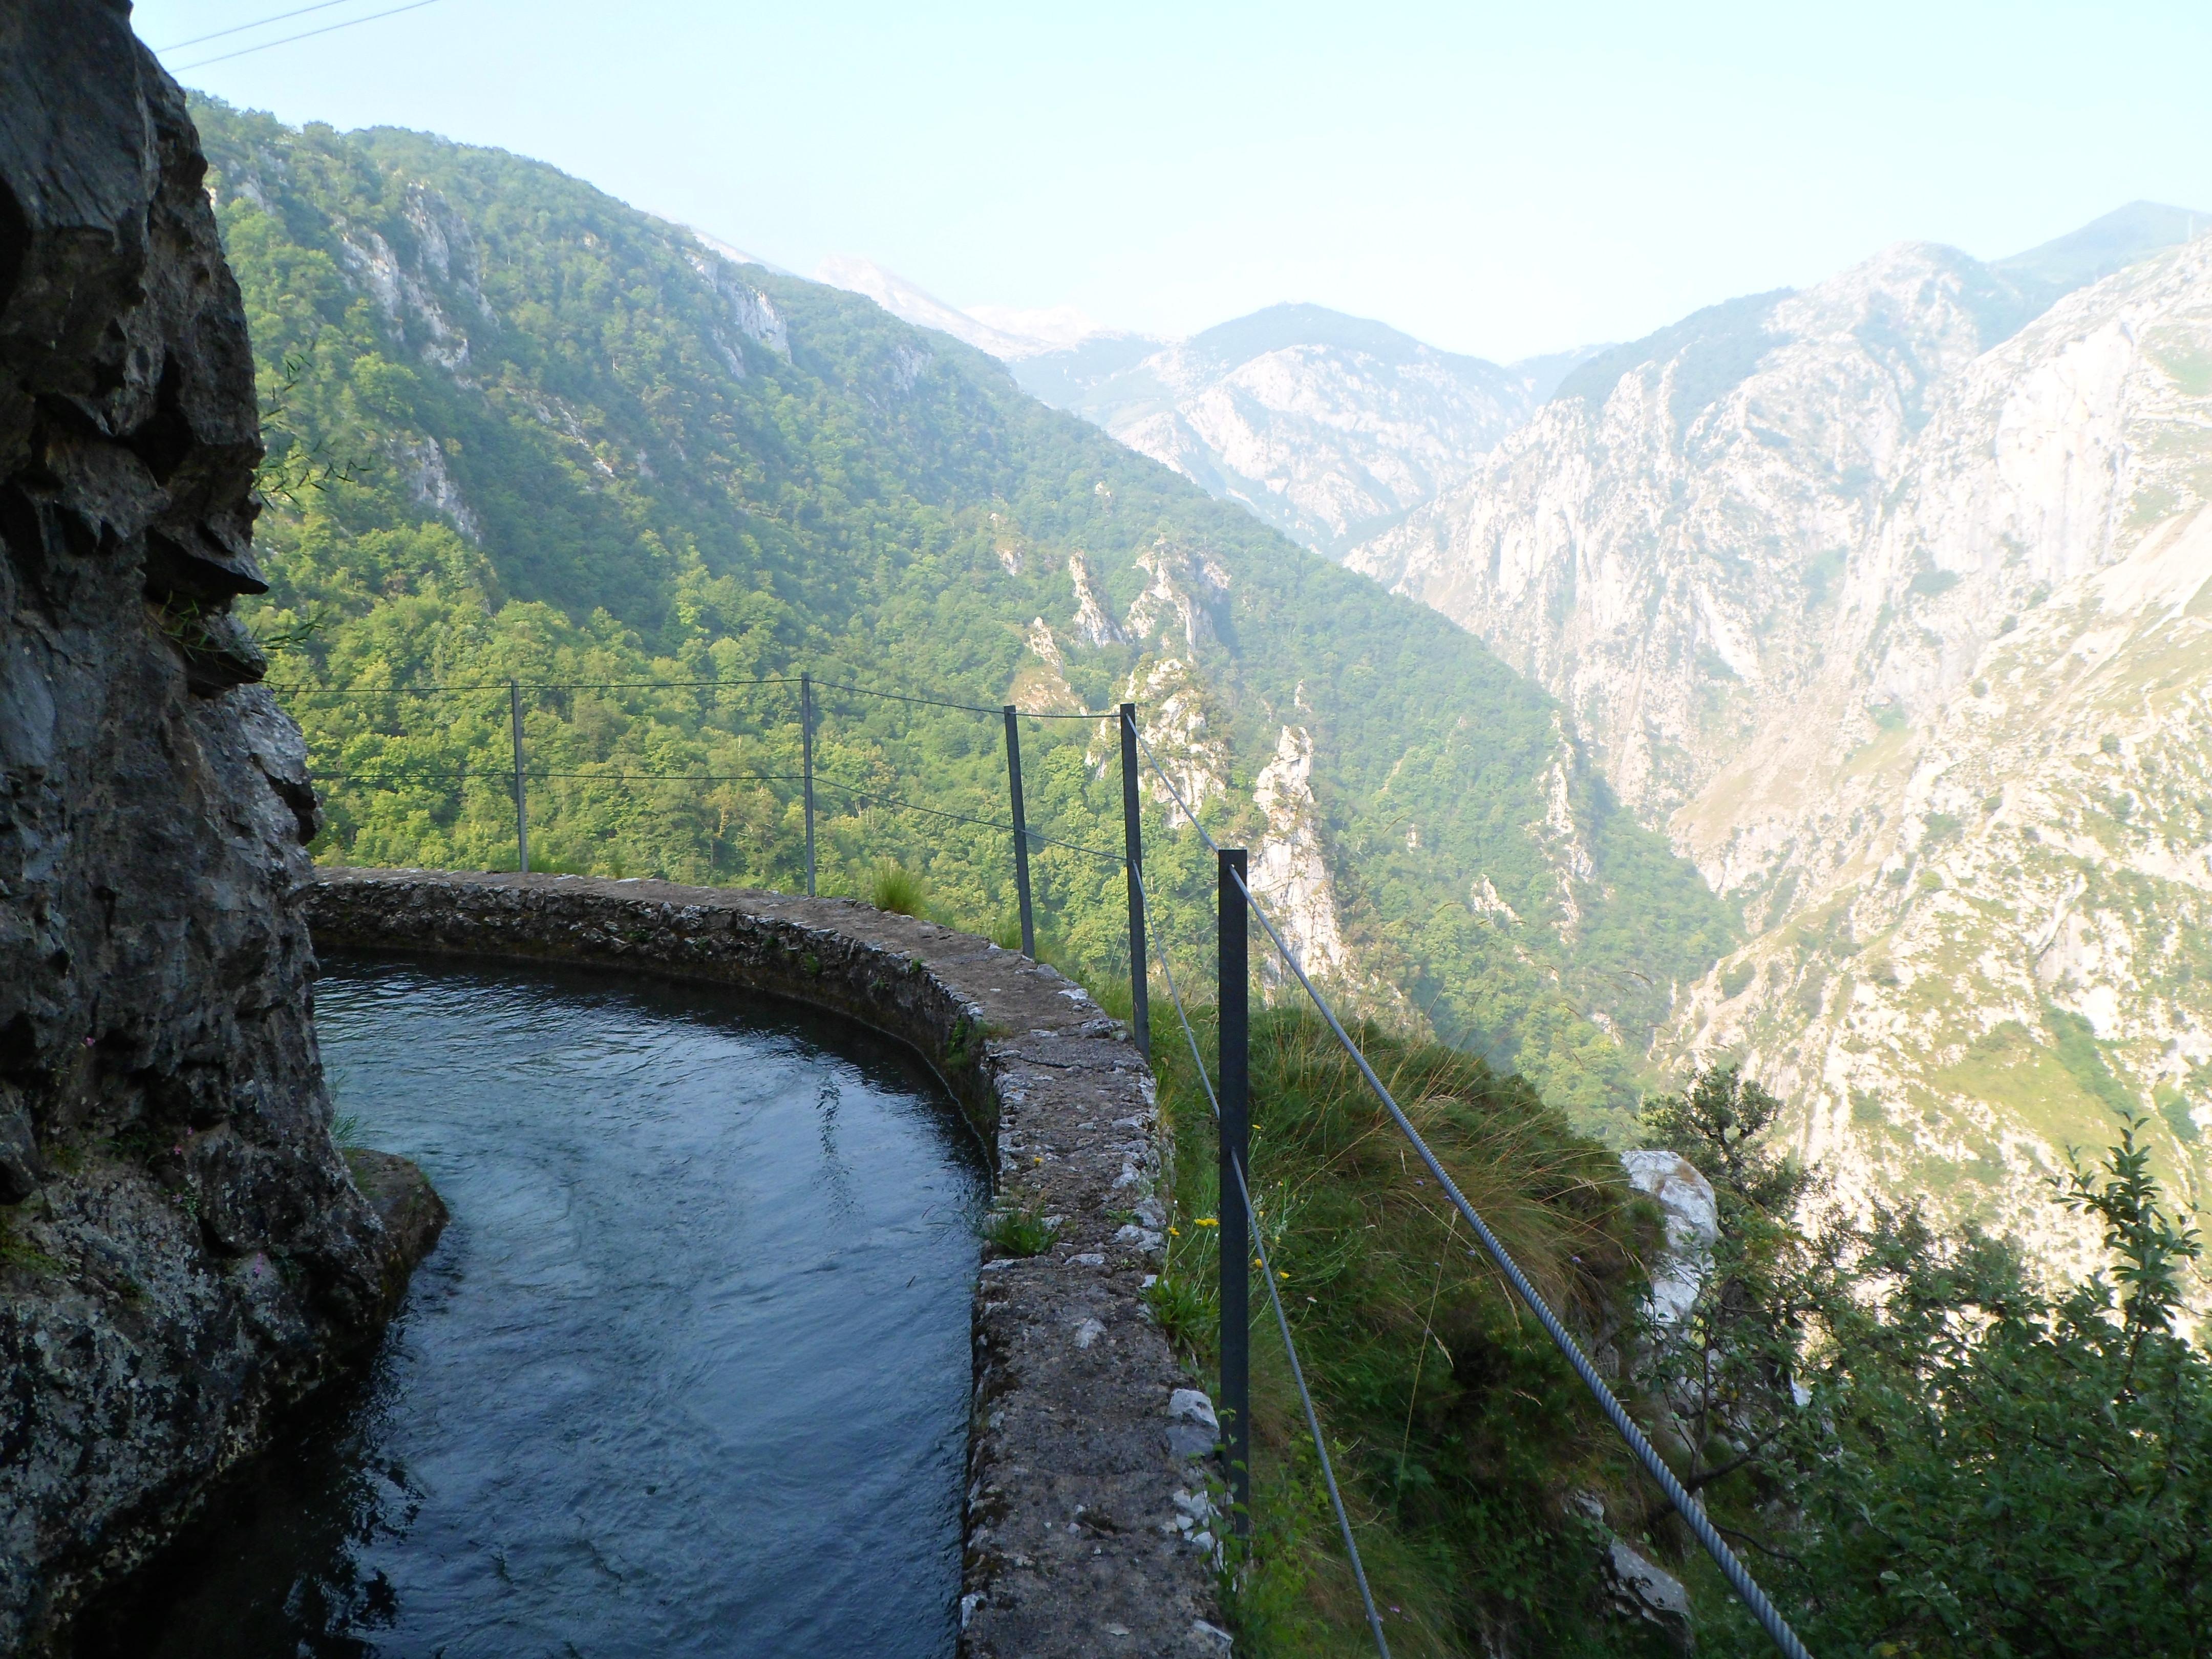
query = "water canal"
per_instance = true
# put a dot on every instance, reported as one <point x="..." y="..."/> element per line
<point x="687" y="1375"/>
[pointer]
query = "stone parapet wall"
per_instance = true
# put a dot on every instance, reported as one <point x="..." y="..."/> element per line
<point x="1087" y="1513"/>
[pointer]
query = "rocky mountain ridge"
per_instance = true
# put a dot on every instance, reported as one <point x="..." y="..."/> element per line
<point x="1327" y="427"/>
<point x="1880" y="597"/>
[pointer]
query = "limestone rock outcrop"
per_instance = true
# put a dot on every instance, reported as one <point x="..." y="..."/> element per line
<point x="182" y="1249"/>
<point x="1894" y="606"/>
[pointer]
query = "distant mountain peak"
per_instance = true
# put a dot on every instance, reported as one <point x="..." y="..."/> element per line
<point x="736" y="256"/>
<point x="2104" y="246"/>
<point x="1279" y="327"/>
<point x="1006" y="334"/>
<point x="1055" y="328"/>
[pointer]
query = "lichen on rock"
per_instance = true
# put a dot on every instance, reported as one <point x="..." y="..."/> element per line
<point x="182" y="1248"/>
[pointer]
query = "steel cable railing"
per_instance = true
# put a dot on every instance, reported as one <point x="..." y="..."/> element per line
<point x="517" y="775"/>
<point x="539" y="685"/>
<point x="1282" y="1320"/>
<point x="1692" y="1513"/>
<point x="968" y="708"/>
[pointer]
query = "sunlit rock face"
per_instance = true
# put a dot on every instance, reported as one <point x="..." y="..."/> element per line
<point x="1884" y="599"/>
<point x="182" y="1248"/>
<point x="1327" y="427"/>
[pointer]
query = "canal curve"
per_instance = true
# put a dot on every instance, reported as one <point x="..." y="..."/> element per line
<point x="689" y="1373"/>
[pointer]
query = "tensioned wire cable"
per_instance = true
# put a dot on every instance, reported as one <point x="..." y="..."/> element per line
<point x="258" y="23"/>
<point x="956" y="817"/>
<point x="498" y="775"/>
<point x="529" y="685"/>
<point x="506" y="774"/>
<point x="305" y="34"/>
<point x="965" y="708"/>
<point x="1282" y="1321"/>
<point x="1693" y="1512"/>
<point x="687" y="685"/>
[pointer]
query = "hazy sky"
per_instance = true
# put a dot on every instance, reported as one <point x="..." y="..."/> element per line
<point x="1499" y="180"/>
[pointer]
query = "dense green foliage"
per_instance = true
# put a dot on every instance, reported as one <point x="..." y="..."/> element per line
<point x="1927" y="1453"/>
<point x="1918" y="1451"/>
<point x="521" y="431"/>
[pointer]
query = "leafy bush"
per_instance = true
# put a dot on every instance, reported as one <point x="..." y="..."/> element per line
<point x="1925" y="1452"/>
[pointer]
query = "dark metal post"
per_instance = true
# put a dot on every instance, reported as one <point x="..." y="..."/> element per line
<point x="1021" y="832"/>
<point x="1133" y="850"/>
<point x="521" y="798"/>
<point x="1235" y="1038"/>
<point x="807" y="768"/>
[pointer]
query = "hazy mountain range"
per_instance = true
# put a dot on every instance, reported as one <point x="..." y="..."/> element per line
<point x="1329" y="428"/>
<point x="1886" y="600"/>
<point x="526" y="430"/>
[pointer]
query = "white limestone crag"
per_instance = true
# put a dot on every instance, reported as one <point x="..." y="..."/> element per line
<point x="1886" y="604"/>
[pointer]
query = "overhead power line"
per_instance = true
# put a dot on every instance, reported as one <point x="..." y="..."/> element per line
<point x="305" y="34"/>
<point x="258" y="23"/>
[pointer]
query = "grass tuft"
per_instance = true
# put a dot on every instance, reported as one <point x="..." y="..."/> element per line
<point x="1014" y="1230"/>
<point x="892" y="887"/>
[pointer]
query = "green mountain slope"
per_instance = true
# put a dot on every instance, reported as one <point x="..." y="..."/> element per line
<point x="521" y="429"/>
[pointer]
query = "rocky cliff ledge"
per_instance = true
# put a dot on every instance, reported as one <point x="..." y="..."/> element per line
<point x="182" y="1248"/>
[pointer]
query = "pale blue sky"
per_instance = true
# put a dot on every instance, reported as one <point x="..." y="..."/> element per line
<point x="1499" y="180"/>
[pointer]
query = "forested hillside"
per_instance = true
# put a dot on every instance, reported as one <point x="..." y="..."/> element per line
<point x="519" y="429"/>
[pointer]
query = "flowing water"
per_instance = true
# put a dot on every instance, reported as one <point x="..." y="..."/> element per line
<point x="687" y="1375"/>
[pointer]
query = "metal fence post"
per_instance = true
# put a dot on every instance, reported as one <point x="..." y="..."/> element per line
<point x="1133" y="850"/>
<point x="1234" y="1039"/>
<point x="807" y="768"/>
<point x="1021" y="832"/>
<point x="522" y="797"/>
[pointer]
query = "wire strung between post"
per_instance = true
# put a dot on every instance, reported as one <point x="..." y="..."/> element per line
<point x="681" y="685"/>
<point x="903" y="696"/>
<point x="528" y="685"/>
<point x="309" y="34"/>
<point x="1282" y="1321"/>
<point x="1159" y="772"/>
<point x="502" y="775"/>
<point x="958" y="818"/>
<point x="1693" y="1512"/>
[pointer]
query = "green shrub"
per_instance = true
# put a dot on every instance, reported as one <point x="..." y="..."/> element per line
<point x="1923" y="1452"/>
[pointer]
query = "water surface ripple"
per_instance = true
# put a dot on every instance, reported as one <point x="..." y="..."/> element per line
<point x="688" y="1374"/>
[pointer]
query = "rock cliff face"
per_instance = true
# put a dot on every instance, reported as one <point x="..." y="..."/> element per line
<point x="1884" y="598"/>
<point x="182" y="1249"/>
